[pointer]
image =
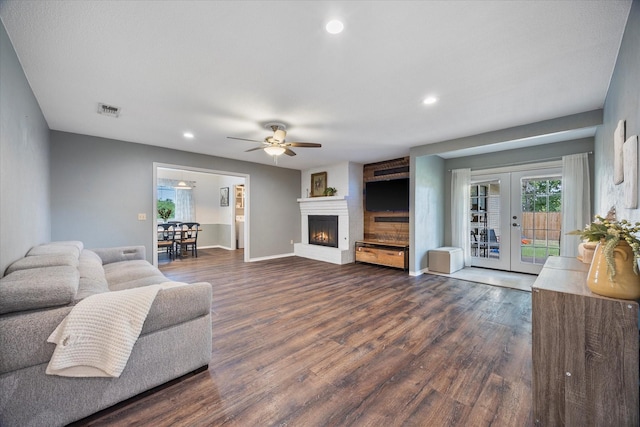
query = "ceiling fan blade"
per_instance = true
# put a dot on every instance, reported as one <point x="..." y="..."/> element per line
<point x="253" y="149"/>
<point x="289" y="152"/>
<point x="303" y="144"/>
<point x="243" y="139"/>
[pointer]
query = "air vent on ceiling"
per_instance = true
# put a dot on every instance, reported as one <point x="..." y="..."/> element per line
<point x="108" y="110"/>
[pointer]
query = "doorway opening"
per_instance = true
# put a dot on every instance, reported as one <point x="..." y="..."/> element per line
<point x="217" y="200"/>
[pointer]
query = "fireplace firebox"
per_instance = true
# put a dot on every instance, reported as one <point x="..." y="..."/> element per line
<point x="323" y="230"/>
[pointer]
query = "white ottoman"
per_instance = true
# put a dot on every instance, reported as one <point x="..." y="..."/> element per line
<point x="446" y="260"/>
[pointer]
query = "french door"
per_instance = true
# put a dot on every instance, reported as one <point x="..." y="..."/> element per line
<point x="515" y="219"/>
<point x="490" y="213"/>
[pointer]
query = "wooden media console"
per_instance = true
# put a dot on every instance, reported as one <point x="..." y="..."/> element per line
<point x="388" y="254"/>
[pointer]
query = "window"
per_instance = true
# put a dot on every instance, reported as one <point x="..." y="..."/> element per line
<point x="179" y="200"/>
<point x="166" y="201"/>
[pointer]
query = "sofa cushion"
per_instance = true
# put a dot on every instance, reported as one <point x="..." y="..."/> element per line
<point x="70" y="247"/>
<point x="48" y="260"/>
<point x="38" y="288"/>
<point x="178" y="303"/>
<point x="132" y="274"/>
<point x="122" y="253"/>
<point x="23" y="337"/>
<point x="92" y="277"/>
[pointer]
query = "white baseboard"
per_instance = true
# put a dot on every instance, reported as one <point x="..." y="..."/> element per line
<point x="216" y="247"/>
<point x="418" y="273"/>
<point x="264" y="258"/>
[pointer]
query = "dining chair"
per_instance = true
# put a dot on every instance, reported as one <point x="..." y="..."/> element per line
<point x="188" y="238"/>
<point x="167" y="239"/>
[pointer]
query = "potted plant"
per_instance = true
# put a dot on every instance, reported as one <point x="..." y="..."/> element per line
<point x="615" y="261"/>
<point x="165" y="213"/>
<point x="330" y="191"/>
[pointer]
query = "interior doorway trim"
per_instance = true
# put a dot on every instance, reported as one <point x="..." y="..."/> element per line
<point x="247" y="203"/>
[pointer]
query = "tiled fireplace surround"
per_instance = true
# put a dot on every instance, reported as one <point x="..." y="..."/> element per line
<point x="350" y="226"/>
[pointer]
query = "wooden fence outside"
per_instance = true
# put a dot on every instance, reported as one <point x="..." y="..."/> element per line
<point x="541" y="225"/>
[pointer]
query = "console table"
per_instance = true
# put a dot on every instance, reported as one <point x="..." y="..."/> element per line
<point x="388" y="254"/>
<point x="585" y="351"/>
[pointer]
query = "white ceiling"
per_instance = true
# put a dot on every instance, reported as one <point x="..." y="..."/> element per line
<point x="223" y="68"/>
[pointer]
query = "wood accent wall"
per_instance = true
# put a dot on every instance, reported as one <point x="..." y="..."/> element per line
<point x="386" y="227"/>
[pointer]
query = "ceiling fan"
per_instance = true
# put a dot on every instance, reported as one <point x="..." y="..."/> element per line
<point x="276" y="145"/>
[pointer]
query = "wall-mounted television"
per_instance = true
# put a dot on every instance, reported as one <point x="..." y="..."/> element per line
<point x="385" y="196"/>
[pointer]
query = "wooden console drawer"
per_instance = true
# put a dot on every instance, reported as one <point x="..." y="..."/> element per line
<point x="382" y="254"/>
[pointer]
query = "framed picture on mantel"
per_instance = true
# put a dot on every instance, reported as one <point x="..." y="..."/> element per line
<point x="318" y="184"/>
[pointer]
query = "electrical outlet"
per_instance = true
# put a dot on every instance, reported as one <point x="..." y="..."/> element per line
<point x="142" y="217"/>
<point x="292" y="242"/>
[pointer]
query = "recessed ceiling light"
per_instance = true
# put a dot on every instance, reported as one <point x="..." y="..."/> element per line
<point x="430" y="100"/>
<point x="335" y="27"/>
<point x="188" y="135"/>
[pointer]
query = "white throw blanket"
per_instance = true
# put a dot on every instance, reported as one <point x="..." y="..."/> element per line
<point x="97" y="336"/>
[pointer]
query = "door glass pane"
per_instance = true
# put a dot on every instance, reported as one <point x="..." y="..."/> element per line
<point x="541" y="217"/>
<point x="485" y="219"/>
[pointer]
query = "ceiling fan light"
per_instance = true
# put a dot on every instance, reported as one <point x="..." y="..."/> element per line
<point x="279" y="135"/>
<point x="274" y="150"/>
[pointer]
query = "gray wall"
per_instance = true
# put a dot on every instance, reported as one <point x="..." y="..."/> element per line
<point x="507" y="157"/>
<point x="98" y="187"/>
<point x="24" y="162"/>
<point x="214" y="235"/>
<point x="621" y="104"/>
<point x="355" y="201"/>
<point x="426" y="229"/>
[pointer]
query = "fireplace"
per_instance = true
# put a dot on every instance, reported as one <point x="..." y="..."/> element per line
<point x="347" y="212"/>
<point x="323" y="230"/>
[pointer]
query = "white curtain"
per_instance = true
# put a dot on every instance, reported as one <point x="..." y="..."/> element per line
<point x="576" y="201"/>
<point x="460" y="208"/>
<point x="185" y="205"/>
<point x="185" y="202"/>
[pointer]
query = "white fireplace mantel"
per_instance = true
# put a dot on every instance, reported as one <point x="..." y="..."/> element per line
<point x="321" y="199"/>
<point x="330" y="205"/>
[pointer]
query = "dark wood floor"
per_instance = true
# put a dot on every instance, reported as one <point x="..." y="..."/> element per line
<point x="298" y="342"/>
